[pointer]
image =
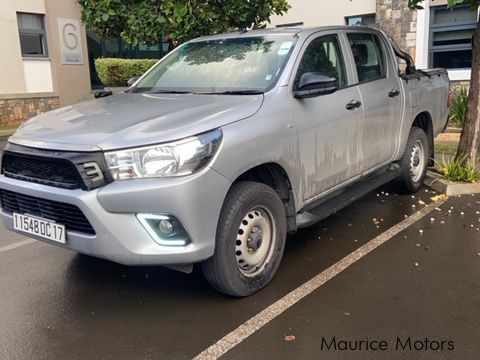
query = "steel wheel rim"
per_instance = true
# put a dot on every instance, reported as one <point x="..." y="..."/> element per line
<point x="255" y="241"/>
<point x="417" y="161"/>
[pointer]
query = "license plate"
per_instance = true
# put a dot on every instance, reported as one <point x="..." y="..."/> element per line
<point x="40" y="227"/>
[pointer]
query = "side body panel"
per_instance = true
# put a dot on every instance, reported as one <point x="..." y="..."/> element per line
<point x="427" y="95"/>
<point x="383" y="115"/>
<point x="270" y="136"/>
<point x="330" y="136"/>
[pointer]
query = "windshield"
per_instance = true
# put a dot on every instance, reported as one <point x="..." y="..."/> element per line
<point x="238" y="65"/>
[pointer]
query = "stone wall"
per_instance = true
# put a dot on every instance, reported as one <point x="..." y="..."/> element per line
<point x="15" y="110"/>
<point x="395" y="18"/>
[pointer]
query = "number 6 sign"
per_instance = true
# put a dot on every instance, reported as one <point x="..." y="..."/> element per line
<point x="70" y="41"/>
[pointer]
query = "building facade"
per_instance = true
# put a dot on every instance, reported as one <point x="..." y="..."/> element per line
<point x="45" y="61"/>
<point x="434" y="37"/>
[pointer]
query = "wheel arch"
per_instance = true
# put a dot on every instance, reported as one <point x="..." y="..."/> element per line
<point x="423" y="120"/>
<point x="275" y="176"/>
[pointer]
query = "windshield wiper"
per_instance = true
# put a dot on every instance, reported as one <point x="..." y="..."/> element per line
<point x="169" y="92"/>
<point x="233" y="92"/>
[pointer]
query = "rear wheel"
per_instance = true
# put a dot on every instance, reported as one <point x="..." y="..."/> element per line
<point x="414" y="163"/>
<point x="250" y="240"/>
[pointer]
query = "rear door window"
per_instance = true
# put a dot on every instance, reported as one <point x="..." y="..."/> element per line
<point x="368" y="55"/>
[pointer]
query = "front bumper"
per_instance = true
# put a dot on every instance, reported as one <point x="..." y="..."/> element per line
<point x="195" y="201"/>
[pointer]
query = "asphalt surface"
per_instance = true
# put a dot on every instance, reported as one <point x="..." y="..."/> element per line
<point x="56" y="304"/>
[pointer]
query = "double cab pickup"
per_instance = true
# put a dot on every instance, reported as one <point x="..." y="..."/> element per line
<point x="227" y="145"/>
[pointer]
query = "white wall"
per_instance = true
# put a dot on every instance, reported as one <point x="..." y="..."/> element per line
<point x="38" y="76"/>
<point x="11" y="66"/>
<point x="324" y="12"/>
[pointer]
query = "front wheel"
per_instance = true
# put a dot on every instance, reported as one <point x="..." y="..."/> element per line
<point x="250" y="240"/>
<point x="414" y="163"/>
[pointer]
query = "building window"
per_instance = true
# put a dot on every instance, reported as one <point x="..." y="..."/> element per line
<point x="368" y="19"/>
<point x="451" y="35"/>
<point x="31" y="28"/>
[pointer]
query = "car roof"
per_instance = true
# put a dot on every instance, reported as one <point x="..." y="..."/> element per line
<point x="293" y="31"/>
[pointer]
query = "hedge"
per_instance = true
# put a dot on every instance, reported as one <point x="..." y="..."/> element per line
<point x="116" y="72"/>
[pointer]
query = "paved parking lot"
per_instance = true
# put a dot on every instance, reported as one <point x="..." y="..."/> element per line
<point x="418" y="284"/>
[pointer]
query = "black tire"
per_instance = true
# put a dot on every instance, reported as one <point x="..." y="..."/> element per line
<point x="223" y="270"/>
<point x="411" y="176"/>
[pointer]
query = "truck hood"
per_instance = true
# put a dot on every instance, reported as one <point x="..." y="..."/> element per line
<point x="130" y="120"/>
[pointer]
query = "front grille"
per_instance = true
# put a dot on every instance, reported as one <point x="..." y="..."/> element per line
<point x="64" y="169"/>
<point x="65" y="214"/>
<point x="59" y="173"/>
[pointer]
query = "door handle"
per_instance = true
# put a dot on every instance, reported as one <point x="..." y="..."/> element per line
<point x="354" y="104"/>
<point x="393" y="93"/>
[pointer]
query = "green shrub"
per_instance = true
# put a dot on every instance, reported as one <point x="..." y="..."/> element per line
<point x="116" y="72"/>
<point x="458" y="170"/>
<point x="458" y="111"/>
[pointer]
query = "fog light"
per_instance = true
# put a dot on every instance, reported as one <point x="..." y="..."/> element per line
<point x="164" y="229"/>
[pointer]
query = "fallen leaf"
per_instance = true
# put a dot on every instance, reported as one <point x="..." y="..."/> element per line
<point x="421" y="202"/>
<point x="439" y="197"/>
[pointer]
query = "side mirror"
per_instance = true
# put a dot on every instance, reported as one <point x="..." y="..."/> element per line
<point x="315" y="84"/>
<point x="103" y="93"/>
<point x="132" y="81"/>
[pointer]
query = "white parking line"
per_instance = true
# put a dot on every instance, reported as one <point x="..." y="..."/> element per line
<point x="17" y="245"/>
<point x="254" y="324"/>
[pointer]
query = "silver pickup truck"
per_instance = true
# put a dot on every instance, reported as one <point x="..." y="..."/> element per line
<point x="224" y="147"/>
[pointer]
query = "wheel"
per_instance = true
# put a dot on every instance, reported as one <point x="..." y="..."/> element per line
<point x="413" y="165"/>
<point x="250" y="240"/>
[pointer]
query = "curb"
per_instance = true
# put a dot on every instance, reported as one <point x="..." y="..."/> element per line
<point x="453" y="130"/>
<point x="450" y="188"/>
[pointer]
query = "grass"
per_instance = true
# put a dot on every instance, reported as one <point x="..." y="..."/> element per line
<point x="446" y="149"/>
<point x="458" y="111"/>
<point x="457" y="169"/>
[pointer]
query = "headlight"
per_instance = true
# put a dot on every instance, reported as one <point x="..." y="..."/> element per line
<point x="178" y="158"/>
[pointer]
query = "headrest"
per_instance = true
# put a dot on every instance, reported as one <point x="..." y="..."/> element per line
<point x="360" y="53"/>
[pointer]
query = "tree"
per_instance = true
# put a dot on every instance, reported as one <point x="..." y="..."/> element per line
<point x="470" y="138"/>
<point x="147" y="21"/>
